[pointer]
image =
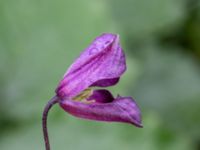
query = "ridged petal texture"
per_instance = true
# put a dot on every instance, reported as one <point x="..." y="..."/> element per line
<point x="105" y="108"/>
<point x="101" y="64"/>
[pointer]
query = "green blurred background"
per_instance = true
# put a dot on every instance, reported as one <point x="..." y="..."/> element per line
<point x="39" y="39"/>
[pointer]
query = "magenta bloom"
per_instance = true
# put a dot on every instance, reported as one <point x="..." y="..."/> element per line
<point x="100" y="65"/>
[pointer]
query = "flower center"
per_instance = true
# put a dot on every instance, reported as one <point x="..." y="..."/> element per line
<point x="83" y="95"/>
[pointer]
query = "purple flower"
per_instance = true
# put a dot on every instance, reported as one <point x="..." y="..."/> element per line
<point x="100" y="65"/>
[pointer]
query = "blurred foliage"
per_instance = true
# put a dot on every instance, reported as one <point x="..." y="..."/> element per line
<point x="143" y="18"/>
<point x="40" y="39"/>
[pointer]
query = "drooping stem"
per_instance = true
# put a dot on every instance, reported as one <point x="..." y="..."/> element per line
<point x="53" y="101"/>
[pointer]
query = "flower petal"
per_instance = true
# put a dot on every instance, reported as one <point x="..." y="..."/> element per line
<point x="122" y="109"/>
<point x="101" y="96"/>
<point x="106" y="82"/>
<point x="101" y="64"/>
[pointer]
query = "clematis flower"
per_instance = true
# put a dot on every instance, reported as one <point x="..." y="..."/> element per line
<point x="99" y="65"/>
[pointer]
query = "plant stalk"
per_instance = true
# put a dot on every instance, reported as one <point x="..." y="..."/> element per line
<point x="53" y="101"/>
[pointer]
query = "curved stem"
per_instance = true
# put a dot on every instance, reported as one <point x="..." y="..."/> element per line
<point x="53" y="101"/>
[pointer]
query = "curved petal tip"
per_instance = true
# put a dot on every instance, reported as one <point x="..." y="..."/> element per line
<point x="122" y="109"/>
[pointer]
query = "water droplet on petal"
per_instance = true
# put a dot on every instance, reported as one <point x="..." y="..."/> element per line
<point x="107" y="42"/>
<point x="93" y="51"/>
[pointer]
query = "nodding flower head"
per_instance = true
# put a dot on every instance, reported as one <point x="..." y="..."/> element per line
<point x="99" y="65"/>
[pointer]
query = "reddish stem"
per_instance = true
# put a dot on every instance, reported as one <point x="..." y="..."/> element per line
<point x="53" y="101"/>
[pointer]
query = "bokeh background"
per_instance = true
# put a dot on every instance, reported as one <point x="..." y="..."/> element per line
<point x="39" y="39"/>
